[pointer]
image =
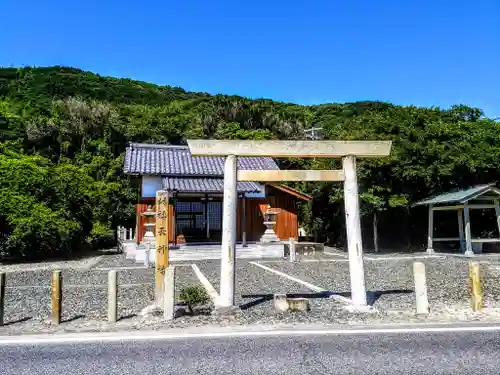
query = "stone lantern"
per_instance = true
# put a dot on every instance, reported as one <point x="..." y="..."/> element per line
<point x="150" y="222"/>
<point x="269" y="235"/>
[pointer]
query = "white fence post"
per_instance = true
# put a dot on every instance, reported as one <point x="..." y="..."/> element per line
<point x="147" y="253"/>
<point x="112" y="296"/>
<point x="419" y="277"/>
<point x="169" y="293"/>
<point x="292" y="249"/>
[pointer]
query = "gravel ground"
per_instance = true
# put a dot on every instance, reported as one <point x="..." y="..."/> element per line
<point x="27" y="300"/>
<point x="389" y="281"/>
<point x="116" y="260"/>
<point x="79" y="278"/>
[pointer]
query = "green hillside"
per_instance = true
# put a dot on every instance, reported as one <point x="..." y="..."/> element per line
<point x="63" y="132"/>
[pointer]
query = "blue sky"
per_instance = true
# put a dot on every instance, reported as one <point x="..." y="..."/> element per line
<point x="407" y="52"/>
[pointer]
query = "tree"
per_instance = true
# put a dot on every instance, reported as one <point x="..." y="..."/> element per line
<point x="63" y="133"/>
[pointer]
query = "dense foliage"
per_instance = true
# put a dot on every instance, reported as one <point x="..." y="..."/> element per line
<point x="63" y="133"/>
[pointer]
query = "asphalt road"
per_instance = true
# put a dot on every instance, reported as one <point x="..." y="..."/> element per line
<point x="423" y="353"/>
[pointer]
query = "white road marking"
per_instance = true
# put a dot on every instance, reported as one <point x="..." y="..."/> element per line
<point x="214" y="296"/>
<point x="310" y="286"/>
<point x="289" y="277"/>
<point x="155" y="335"/>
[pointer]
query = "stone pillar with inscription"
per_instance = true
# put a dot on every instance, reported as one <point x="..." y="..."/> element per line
<point x="161" y="243"/>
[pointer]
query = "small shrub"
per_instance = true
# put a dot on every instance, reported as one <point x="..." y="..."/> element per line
<point x="194" y="295"/>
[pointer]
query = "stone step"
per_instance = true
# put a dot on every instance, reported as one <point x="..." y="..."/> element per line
<point x="213" y="254"/>
<point x="201" y="252"/>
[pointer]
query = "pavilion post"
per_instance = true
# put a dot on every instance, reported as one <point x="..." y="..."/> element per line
<point x="468" y="239"/>
<point x="461" y="230"/>
<point x="244" y="221"/>
<point x="205" y="204"/>
<point x="228" y="251"/>
<point x="497" y="212"/>
<point x="353" y="226"/>
<point x="430" y="230"/>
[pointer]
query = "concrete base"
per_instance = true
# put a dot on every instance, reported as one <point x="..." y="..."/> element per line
<point x="272" y="250"/>
<point x="269" y="235"/>
<point x="281" y="302"/>
<point x="269" y="239"/>
<point x="187" y="253"/>
<point x="305" y="248"/>
<point x="298" y="304"/>
<point x="140" y="254"/>
<point x="129" y="248"/>
<point x="130" y="251"/>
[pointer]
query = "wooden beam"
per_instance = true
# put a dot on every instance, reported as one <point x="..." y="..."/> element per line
<point x="461" y="206"/>
<point x="286" y="149"/>
<point x="290" y="175"/>
<point x="487" y="198"/>
<point x="485" y="240"/>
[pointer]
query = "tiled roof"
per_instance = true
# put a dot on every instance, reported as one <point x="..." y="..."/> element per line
<point x="178" y="161"/>
<point x="460" y="196"/>
<point x="205" y="185"/>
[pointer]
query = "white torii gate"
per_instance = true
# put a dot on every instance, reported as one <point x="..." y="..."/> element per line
<point x="347" y="150"/>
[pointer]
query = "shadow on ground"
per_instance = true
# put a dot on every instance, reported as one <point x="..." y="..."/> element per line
<point x="371" y="296"/>
<point x="73" y="318"/>
<point x="22" y="320"/>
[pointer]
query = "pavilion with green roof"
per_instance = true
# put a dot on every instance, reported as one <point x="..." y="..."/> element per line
<point x="477" y="197"/>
